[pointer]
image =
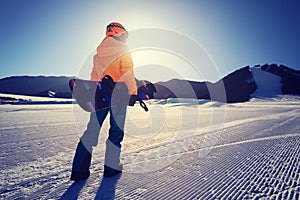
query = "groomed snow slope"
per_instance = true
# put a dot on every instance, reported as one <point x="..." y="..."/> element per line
<point x="268" y="84"/>
<point x="252" y="153"/>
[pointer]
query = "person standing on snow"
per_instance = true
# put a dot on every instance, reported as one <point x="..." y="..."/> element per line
<point x="112" y="59"/>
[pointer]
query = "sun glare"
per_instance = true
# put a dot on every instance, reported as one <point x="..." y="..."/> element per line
<point x="159" y="65"/>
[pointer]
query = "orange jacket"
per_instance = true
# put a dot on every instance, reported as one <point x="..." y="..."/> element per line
<point x="114" y="59"/>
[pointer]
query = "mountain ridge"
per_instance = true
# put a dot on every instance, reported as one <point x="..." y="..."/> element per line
<point x="238" y="86"/>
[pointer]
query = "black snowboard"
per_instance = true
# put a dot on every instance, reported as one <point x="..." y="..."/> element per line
<point x="93" y="96"/>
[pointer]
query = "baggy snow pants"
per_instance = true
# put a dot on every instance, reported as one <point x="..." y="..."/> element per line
<point x="89" y="139"/>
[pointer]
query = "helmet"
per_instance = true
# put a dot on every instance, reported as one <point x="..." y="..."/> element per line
<point x="116" y="29"/>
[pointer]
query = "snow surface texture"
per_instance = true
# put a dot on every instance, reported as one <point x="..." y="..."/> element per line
<point x="217" y="151"/>
<point x="268" y="84"/>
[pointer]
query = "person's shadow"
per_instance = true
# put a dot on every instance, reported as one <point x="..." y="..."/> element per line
<point x="107" y="188"/>
<point x="73" y="191"/>
<point x="105" y="191"/>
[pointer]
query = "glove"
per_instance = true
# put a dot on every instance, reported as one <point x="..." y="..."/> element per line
<point x="132" y="100"/>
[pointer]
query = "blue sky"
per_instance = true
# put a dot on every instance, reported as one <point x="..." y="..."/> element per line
<point x="53" y="37"/>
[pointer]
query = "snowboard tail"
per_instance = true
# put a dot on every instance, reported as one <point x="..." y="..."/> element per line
<point x="88" y="95"/>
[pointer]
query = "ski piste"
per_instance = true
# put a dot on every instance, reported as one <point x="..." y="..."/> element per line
<point x="93" y="96"/>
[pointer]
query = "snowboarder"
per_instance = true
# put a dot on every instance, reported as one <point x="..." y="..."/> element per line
<point x="114" y="60"/>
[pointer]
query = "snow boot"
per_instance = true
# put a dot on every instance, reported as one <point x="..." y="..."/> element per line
<point x="81" y="163"/>
<point x="109" y="172"/>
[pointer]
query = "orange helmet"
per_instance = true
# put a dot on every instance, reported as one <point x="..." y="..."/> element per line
<point x="116" y="29"/>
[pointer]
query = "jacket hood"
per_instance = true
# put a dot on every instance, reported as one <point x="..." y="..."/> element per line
<point x="112" y="48"/>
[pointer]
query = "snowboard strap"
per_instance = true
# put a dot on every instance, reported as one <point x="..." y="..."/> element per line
<point x="143" y="105"/>
<point x="108" y="85"/>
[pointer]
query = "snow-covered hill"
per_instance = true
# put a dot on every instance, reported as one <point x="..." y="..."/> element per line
<point x="238" y="86"/>
<point x="268" y="84"/>
<point x="45" y="86"/>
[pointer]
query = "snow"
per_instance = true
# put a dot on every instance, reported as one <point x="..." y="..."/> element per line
<point x="178" y="150"/>
<point x="24" y="99"/>
<point x="268" y="84"/>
